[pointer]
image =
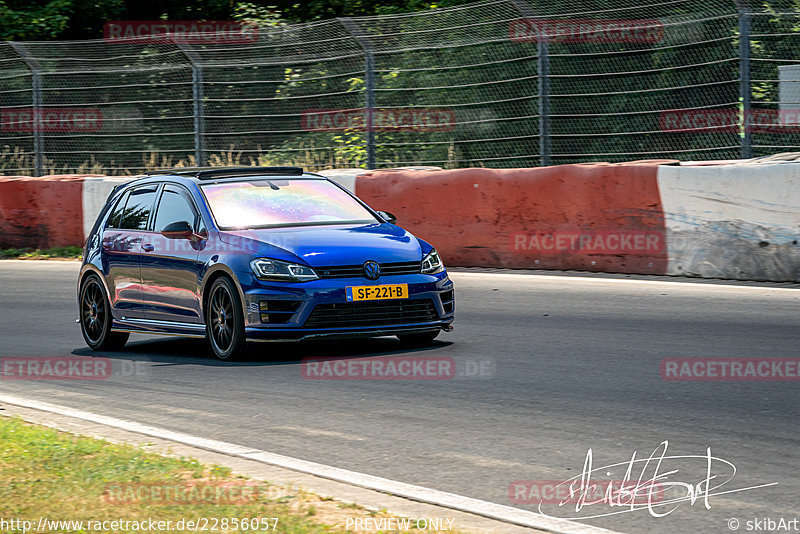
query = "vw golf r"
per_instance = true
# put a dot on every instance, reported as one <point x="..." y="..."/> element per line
<point x="255" y="254"/>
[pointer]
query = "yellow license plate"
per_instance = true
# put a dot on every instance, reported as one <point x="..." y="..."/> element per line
<point x="390" y="291"/>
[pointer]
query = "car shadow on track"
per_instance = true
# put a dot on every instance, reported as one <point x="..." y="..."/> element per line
<point x="185" y="351"/>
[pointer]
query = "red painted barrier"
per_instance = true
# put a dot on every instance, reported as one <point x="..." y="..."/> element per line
<point x="41" y="212"/>
<point x="595" y="217"/>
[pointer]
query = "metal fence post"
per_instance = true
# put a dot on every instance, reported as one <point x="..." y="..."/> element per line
<point x="369" y="85"/>
<point x="745" y="132"/>
<point x="543" y="70"/>
<point x="36" y="101"/>
<point x="543" y="61"/>
<point x="197" y="102"/>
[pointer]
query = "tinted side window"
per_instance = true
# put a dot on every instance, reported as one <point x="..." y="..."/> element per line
<point x="113" y="219"/>
<point x="175" y="206"/>
<point x="137" y="209"/>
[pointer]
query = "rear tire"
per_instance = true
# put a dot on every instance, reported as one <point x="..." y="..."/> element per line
<point x="418" y="339"/>
<point x="225" y="321"/>
<point x="96" y="317"/>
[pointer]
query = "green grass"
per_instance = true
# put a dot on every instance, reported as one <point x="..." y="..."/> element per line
<point x="47" y="473"/>
<point x="41" y="254"/>
<point x="52" y="474"/>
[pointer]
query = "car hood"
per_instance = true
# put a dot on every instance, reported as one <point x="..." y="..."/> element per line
<point x="321" y="246"/>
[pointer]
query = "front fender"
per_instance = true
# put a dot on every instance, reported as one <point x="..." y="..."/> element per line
<point x="209" y="274"/>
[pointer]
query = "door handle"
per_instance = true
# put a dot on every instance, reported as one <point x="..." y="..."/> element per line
<point x="147" y="247"/>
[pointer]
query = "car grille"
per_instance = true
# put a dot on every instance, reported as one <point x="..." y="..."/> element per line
<point x="355" y="271"/>
<point x="374" y="313"/>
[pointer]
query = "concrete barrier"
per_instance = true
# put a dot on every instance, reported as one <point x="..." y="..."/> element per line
<point x="51" y="211"/>
<point x="95" y="192"/>
<point x="344" y="177"/>
<point x="738" y="222"/>
<point x="347" y="177"/>
<point x="41" y="212"/>
<point x="723" y="221"/>
<point x="598" y="217"/>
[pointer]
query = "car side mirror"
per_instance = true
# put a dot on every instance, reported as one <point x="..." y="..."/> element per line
<point x="178" y="230"/>
<point x="388" y="217"/>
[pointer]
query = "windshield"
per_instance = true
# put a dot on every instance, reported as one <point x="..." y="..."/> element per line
<point x="266" y="203"/>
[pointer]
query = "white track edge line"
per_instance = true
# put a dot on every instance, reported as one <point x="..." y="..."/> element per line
<point x="566" y="278"/>
<point x="470" y="505"/>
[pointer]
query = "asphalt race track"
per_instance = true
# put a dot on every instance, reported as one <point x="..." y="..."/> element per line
<point x="549" y="367"/>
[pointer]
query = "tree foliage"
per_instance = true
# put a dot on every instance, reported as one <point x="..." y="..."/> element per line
<point x="44" y="20"/>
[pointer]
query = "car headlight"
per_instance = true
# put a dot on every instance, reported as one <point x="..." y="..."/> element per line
<point x="432" y="264"/>
<point x="281" y="271"/>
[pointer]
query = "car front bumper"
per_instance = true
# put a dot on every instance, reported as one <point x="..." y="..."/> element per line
<point x="433" y="293"/>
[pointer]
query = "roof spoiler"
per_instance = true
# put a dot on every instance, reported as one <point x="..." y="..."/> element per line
<point x="231" y="172"/>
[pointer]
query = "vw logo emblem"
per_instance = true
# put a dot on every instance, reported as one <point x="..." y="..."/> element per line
<point x="372" y="270"/>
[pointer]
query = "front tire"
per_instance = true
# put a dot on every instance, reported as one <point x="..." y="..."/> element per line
<point x="420" y="339"/>
<point x="96" y="317"/>
<point x="225" y="321"/>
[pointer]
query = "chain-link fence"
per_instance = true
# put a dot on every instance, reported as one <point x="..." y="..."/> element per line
<point x="499" y="83"/>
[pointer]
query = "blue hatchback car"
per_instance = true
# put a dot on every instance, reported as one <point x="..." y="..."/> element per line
<point x="255" y="254"/>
